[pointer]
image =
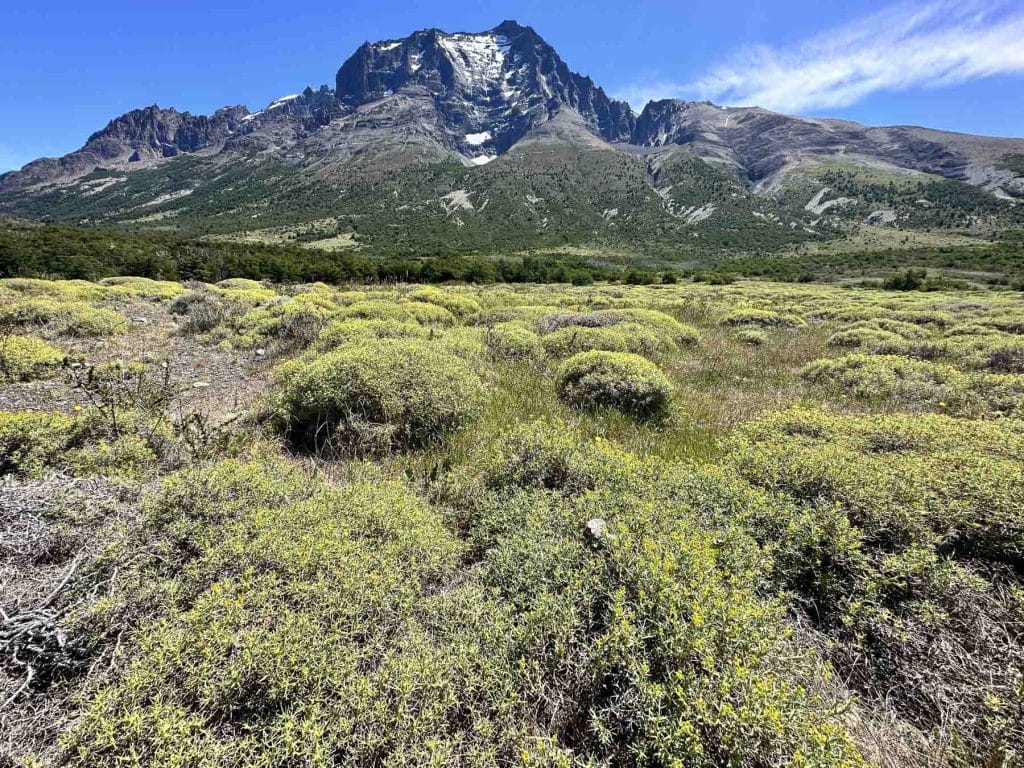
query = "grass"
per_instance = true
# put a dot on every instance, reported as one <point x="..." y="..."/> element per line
<point x="746" y="524"/>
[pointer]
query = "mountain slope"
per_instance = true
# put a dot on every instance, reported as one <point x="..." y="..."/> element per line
<point x="489" y="142"/>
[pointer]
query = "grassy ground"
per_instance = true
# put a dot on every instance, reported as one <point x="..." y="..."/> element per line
<point x="748" y="525"/>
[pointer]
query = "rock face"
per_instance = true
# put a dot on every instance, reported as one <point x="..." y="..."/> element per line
<point x="135" y="137"/>
<point x="490" y="88"/>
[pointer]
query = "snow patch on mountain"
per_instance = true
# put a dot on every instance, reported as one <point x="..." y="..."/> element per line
<point x="476" y="139"/>
<point x="283" y="100"/>
<point x="477" y="60"/>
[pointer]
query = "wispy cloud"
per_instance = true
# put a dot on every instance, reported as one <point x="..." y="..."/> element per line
<point x="911" y="45"/>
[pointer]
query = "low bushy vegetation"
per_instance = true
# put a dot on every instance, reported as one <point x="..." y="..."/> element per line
<point x="666" y="524"/>
<point x="614" y="379"/>
<point x="24" y="358"/>
<point x="377" y="395"/>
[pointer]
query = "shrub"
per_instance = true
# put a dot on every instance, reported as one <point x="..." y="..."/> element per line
<point x="995" y="353"/>
<point x="753" y="337"/>
<point x="610" y="586"/>
<point x="318" y="621"/>
<point x="202" y="310"/>
<point x="288" y="322"/>
<point x="513" y="341"/>
<point x="872" y="339"/>
<point x="763" y="318"/>
<point x="924" y="317"/>
<point x="342" y="332"/>
<point x="997" y="393"/>
<point x="544" y="455"/>
<point x="58" y="318"/>
<point x="407" y="312"/>
<point x="621" y="337"/>
<point x="910" y="331"/>
<point x="911" y="383"/>
<point x="303" y="613"/>
<point x="142" y="287"/>
<point x="29" y="441"/>
<point x="388" y="393"/>
<point x="241" y="283"/>
<point x="615" y="379"/>
<point x="557" y="321"/>
<point x="457" y="304"/>
<point x="24" y="358"/>
<point x="895" y="545"/>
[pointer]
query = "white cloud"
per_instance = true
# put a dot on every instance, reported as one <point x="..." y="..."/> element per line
<point x="912" y="45"/>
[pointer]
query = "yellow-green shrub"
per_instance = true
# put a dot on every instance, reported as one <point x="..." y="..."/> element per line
<point x="513" y="341"/>
<point x="30" y="440"/>
<point x="896" y="547"/>
<point x="318" y="624"/>
<point x="342" y="332"/>
<point x="912" y="383"/>
<point x="240" y="283"/>
<point x="406" y="312"/>
<point x="142" y="287"/>
<point x="764" y="318"/>
<point x="458" y="304"/>
<point x="64" y="290"/>
<point x="614" y="379"/>
<point x="619" y="594"/>
<point x="752" y="337"/>
<point x="622" y="337"/>
<point x="24" y="358"/>
<point x="64" y="318"/>
<point x="872" y="339"/>
<point x="303" y="617"/>
<point x="388" y="393"/>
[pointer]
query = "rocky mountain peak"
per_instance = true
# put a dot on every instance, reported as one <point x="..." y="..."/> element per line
<point x="490" y="87"/>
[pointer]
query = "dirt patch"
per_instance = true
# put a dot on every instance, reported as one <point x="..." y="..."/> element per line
<point x="218" y="383"/>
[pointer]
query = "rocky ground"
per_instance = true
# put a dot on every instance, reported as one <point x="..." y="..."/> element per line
<point x="215" y="382"/>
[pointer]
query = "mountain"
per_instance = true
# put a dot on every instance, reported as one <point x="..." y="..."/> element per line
<point x="442" y="142"/>
<point x="763" y="146"/>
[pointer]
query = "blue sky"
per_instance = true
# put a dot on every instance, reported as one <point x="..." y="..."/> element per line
<point x="67" y="67"/>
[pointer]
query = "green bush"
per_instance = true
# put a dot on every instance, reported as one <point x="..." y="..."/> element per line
<point x="63" y="318"/>
<point x="513" y="341"/>
<point x="202" y="310"/>
<point x="900" y="528"/>
<point x="287" y="322"/>
<point x="871" y="339"/>
<point x="318" y="624"/>
<point x="341" y="332"/>
<point x="910" y="383"/>
<point x="752" y="337"/>
<point x="406" y="312"/>
<point x="142" y="287"/>
<point x="614" y="379"/>
<point x="544" y="455"/>
<point x="458" y="304"/>
<point x="918" y="384"/>
<point x="64" y="290"/>
<point x="25" y="358"/>
<point x="389" y="393"/>
<point x="763" y="318"/>
<point x="30" y="440"/>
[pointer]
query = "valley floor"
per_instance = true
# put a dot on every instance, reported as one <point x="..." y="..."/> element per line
<point x="754" y="524"/>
